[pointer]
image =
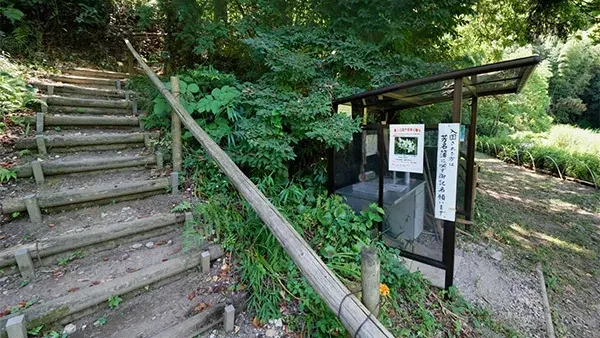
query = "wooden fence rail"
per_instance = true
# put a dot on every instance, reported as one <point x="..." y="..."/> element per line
<point x="352" y="313"/>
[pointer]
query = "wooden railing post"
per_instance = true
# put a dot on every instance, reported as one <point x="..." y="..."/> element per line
<point x="175" y="127"/>
<point x="370" y="274"/>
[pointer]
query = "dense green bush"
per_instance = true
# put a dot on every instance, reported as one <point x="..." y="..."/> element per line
<point x="576" y="151"/>
<point x="15" y="94"/>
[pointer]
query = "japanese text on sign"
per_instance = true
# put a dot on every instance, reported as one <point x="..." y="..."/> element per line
<point x="447" y="171"/>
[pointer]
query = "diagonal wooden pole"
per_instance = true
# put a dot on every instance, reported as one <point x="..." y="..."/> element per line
<point x="352" y="313"/>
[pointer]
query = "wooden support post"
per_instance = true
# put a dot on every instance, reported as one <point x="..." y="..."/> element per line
<point x="16" y="327"/>
<point x="370" y="277"/>
<point x="159" y="160"/>
<point x="24" y="263"/>
<point x="205" y="262"/>
<point x="130" y="64"/>
<point x="50" y="90"/>
<point x="38" y="173"/>
<point x="545" y="303"/>
<point x="39" y="123"/>
<point x="189" y="217"/>
<point x="44" y="105"/>
<point x="33" y="209"/>
<point x="228" y="318"/>
<point x="175" y="127"/>
<point x="118" y="84"/>
<point x="134" y="109"/>
<point x="174" y="183"/>
<point x="40" y="141"/>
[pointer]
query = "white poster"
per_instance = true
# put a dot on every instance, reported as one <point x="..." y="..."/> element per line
<point x="447" y="171"/>
<point x="407" y="144"/>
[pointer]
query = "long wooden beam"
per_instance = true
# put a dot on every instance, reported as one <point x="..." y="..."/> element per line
<point x="352" y="313"/>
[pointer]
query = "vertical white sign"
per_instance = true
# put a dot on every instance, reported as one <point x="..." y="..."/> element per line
<point x="407" y="145"/>
<point x="447" y="170"/>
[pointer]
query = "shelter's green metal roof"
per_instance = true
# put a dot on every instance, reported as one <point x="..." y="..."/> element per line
<point x="492" y="79"/>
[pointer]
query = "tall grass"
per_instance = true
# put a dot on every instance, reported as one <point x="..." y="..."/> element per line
<point x="576" y="151"/>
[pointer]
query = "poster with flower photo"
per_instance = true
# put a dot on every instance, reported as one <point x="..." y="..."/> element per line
<point x="407" y="144"/>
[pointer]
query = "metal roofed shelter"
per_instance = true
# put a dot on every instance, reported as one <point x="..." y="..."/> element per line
<point x="360" y="173"/>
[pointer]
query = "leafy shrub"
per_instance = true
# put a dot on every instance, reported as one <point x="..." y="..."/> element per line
<point x="14" y="92"/>
<point x="260" y="126"/>
<point x="576" y="151"/>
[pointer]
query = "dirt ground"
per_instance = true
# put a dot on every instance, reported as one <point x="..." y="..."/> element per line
<point x="533" y="218"/>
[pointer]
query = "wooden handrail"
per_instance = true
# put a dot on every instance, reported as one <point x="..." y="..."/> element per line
<point x="352" y="313"/>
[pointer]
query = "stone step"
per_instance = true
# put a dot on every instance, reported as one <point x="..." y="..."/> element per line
<point x="94" y="141"/>
<point x="54" y="100"/>
<point x="93" y="195"/>
<point x="87" y="81"/>
<point x="84" y="300"/>
<point x="71" y="89"/>
<point x="84" y="164"/>
<point x="136" y="230"/>
<point x="89" y="72"/>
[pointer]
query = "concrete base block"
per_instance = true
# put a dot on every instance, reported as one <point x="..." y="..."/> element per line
<point x="33" y="209"/>
<point x="229" y="318"/>
<point x="16" y="327"/>
<point x="38" y="173"/>
<point x="205" y="261"/>
<point x="41" y="144"/>
<point x="175" y="183"/>
<point x="24" y="263"/>
<point x="189" y="217"/>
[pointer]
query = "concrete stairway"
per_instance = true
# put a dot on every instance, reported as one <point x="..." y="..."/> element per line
<point x="91" y="219"/>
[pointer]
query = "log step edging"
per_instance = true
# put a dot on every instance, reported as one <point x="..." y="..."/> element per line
<point x="89" y="72"/>
<point x="60" y="141"/>
<point x="91" y="194"/>
<point x="73" y="79"/>
<point x="89" y="110"/>
<point x="80" y="102"/>
<point x="68" y="88"/>
<point x="74" y="303"/>
<point x="107" y="121"/>
<point x="86" y="164"/>
<point x="68" y="242"/>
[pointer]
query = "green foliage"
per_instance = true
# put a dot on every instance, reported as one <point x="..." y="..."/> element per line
<point x="36" y="330"/>
<point x="506" y="114"/>
<point x="574" y="64"/>
<point x="100" y="322"/>
<point x="71" y="257"/>
<point x="574" y="150"/>
<point x="183" y="206"/>
<point x="114" y="301"/>
<point x="14" y="92"/>
<point x="7" y="174"/>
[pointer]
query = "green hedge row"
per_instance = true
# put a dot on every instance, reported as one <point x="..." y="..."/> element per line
<point x="582" y="166"/>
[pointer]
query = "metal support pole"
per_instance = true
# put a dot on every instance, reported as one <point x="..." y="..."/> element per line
<point x="176" y="128"/>
<point x="448" y="253"/>
<point x="469" y="183"/>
